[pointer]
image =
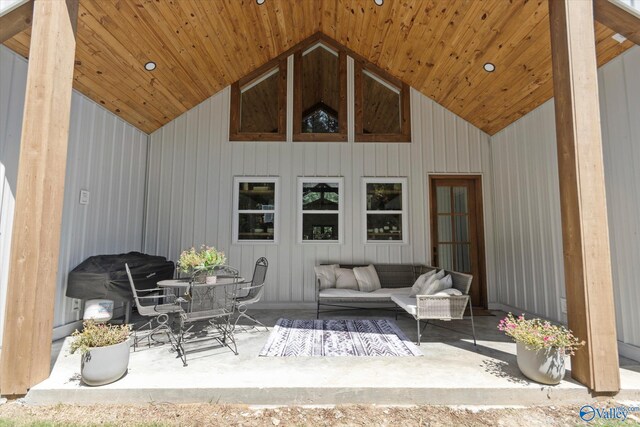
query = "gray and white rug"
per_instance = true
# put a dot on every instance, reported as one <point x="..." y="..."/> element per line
<point x="379" y="337"/>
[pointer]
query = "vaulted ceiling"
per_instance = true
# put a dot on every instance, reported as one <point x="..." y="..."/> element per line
<point x="436" y="46"/>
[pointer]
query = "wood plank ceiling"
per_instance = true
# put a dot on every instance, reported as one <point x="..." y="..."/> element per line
<point x="200" y="47"/>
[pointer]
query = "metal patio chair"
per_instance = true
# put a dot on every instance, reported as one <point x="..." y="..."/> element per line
<point x="217" y="313"/>
<point x="251" y="292"/>
<point x="159" y="314"/>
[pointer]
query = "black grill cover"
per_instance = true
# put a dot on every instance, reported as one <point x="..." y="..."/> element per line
<point x="104" y="276"/>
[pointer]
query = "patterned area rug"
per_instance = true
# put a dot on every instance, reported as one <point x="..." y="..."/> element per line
<point x="378" y="337"/>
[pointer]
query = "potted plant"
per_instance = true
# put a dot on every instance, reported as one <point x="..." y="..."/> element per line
<point x="541" y="347"/>
<point x="202" y="262"/>
<point x="105" y="351"/>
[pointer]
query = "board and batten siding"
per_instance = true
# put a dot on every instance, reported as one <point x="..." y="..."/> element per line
<point x="106" y="156"/>
<point x="527" y="223"/>
<point x="192" y="165"/>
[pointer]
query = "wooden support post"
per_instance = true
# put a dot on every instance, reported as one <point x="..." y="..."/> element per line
<point x="28" y="327"/>
<point x="585" y="230"/>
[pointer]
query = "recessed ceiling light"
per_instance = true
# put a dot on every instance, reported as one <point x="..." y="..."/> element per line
<point x="619" y="38"/>
<point x="150" y="66"/>
<point x="378" y="2"/>
<point x="489" y="67"/>
<point x="260" y="1"/>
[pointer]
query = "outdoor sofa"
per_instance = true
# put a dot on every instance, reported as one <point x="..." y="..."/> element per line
<point x="396" y="281"/>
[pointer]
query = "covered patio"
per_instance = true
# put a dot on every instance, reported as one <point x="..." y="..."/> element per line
<point x="203" y="123"/>
<point x="451" y="372"/>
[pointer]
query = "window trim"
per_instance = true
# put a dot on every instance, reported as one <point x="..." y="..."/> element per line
<point x="236" y="211"/>
<point x="235" y="105"/>
<point x="340" y="211"/>
<point x="404" y="212"/>
<point x="404" y="136"/>
<point x="298" y="135"/>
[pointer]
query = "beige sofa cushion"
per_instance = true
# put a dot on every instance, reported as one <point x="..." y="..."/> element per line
<point x="345" y="279"/>
<point x="367" y="278"/>
<point x="327" y="275"/>
<point x="379" y="294"/>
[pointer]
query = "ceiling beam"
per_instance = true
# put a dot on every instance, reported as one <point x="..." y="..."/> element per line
<point x="16" y="20"/>
<point x="619" y="17"/>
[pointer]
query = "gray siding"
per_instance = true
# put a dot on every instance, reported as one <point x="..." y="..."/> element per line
<point x="192" y="165"/>
<point x="528" y="234"/>
<point x="105" y="156"/>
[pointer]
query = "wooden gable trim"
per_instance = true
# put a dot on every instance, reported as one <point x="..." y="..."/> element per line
<point x="298" y="135"/>
<point x="361" y="63"/>
<point x="619" y="17"/>
<point x="405" y="105"/>
<point x="234" y="117"/>
<point x="16" y="21"/>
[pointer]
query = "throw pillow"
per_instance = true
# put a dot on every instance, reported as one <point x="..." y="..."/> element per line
<point x="448" y="292"/>
<point x="367" y="278"/>
<point x="345" y="279"/>
<point x="420" y="281"/>
<point x="433" y="284"/>
<point x="327" y="275"/>
<point x="447" y="282"/>
<point x="425" y="287"/>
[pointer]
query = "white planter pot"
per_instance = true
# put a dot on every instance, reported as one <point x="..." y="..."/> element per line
<point x="211" y="280"/>
<point x="104" y="365"/>
<point x="543" y="366"/>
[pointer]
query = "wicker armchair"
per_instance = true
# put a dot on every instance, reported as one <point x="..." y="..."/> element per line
<point x="436" y="307"/>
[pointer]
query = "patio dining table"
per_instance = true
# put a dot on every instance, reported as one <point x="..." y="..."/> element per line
<point x="211" y="302"/>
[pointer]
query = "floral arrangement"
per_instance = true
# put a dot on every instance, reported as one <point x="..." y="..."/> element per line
<point x="98" y="335"/>
<point x="205" y="259"/>
<point x="537" y="334"/>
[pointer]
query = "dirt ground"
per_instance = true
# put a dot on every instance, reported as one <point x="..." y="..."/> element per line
<point x="16" y="413"/>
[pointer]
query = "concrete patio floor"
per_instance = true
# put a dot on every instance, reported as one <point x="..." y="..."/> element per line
<point x="451" y="372"/>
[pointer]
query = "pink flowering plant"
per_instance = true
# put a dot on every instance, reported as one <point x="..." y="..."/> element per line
<point x="537" y="334"/>
<point x="205" y="259"/>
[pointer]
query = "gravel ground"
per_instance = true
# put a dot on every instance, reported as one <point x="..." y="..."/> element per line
<point x="15" y="413"/>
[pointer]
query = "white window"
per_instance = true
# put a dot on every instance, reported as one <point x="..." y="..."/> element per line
<point x="255" y="209"/>
<point x="385" y="213"/>
<point x="320" y="207"/>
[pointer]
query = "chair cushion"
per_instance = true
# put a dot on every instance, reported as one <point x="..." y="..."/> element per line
<point x="367" y="278"/>
<point x="420" y="281"/>
<point x="327" y="275"/>
<point x="407" y="303"/>
<point x="345" y="279"/>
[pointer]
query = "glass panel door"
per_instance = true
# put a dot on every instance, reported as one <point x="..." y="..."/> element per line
<point x="455" y="218"/>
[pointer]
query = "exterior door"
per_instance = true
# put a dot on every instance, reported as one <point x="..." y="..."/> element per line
<point x="457" y="233"/>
